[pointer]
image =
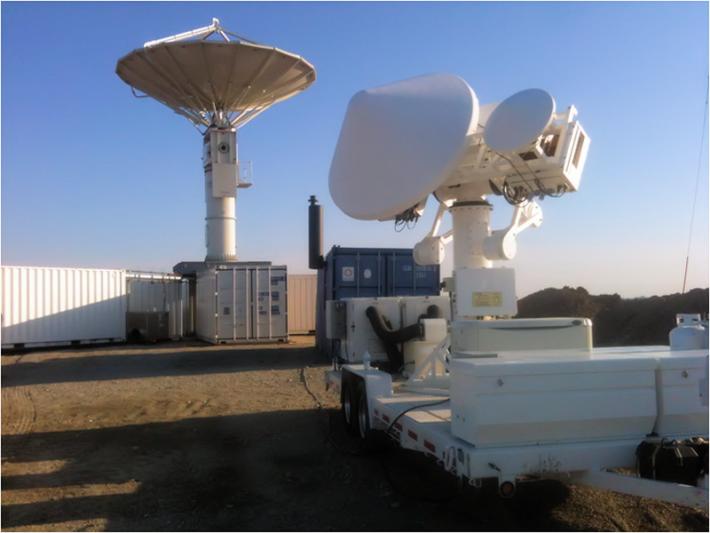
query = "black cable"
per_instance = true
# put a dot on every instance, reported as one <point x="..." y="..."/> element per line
<point x="400" y="415"/>
<point x="386" y="471"/>
<point x="516" y="171"/>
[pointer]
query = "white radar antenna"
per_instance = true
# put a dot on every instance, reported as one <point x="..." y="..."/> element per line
<point x="428" y="135"/>
<point x="219" y="81"/>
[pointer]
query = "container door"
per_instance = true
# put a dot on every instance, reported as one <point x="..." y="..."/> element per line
<point x="269" y="311"/>
<point x="242" y="303"/>
<point x="406" y="278"/>
<point x="225" y="305"/>
<point x="357" y="275"/>
<point x="279" y="303"/>
<point x="232" y="304"/>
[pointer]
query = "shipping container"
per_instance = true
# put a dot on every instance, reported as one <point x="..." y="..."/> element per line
<point x="159" y="301"/>
<point x="302" y="303"/>
<point x="242" y="304"/>
<point x="45" y="306"/>
<point x="50" y="306"/>
<point x="370" y="273"/>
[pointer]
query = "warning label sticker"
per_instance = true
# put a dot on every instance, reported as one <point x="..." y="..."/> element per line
<point x="348" y="273"/>
<point x="487" y="299"/>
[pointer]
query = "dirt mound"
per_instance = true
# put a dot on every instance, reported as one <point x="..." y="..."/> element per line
<point x="617" y="321"/>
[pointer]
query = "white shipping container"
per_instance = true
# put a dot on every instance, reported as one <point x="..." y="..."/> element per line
<point x="242" y="304"/>
<point x="43" y="305"/>
<point x="302" y="303"/>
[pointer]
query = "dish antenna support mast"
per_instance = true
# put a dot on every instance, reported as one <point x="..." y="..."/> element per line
<point x="218" y="85"/>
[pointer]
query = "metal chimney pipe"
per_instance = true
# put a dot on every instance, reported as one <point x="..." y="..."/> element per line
<point x="315" y="234"/>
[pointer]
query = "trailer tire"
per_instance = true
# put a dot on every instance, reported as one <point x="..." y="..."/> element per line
<point x="348" y="407"/>
<point x="367" y="436"/>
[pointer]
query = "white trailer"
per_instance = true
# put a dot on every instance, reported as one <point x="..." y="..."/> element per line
<point x="484" y="394"/>
<point x="483" y="433"/>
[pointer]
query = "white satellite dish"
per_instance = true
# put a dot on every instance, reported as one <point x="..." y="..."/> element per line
<point x="400" y="142"/>
<point x="219" y="85"/>
<point x="519" y="120"/>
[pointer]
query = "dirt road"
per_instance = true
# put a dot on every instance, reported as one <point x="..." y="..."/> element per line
<point x="194" y="437"/>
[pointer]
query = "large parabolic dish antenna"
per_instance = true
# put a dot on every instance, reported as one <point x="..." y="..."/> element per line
<point x="206" y="79"/>
<point x="400" y="142"/>
<point x="218" y="85"/>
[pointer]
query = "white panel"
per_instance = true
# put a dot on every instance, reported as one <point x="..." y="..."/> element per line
<point x="521" y="334"/>
<point x="485" y="292"/>
<point x="361" y="336"/>
<point x="206" y="303"/>
<point x="507" y="402"/>
<point x="42" y="305"/>
<point x="682" y="379"/>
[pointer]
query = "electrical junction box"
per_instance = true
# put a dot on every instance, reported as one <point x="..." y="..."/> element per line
<point x="484" y="292"/>
<point x="335" y="322"/>
<point x="521" y="334"/>
<point x="220" y="160"/>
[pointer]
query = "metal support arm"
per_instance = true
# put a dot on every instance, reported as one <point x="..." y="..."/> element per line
<point x="501" y="244"/>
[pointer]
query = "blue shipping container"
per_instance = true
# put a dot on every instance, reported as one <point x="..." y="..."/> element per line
<point x="370" y="273"/>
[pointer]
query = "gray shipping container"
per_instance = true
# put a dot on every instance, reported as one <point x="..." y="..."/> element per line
<point x="242" y="304"/>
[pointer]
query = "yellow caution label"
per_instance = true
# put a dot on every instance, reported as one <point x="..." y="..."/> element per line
<point x="487" y="299"/>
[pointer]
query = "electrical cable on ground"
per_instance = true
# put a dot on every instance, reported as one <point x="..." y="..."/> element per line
<point x="383" y="461"/>
<point x="329" y="429"/>
<point x="304" y="380"/>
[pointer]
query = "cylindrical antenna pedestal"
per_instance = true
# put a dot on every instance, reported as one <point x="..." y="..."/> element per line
<point x="220" y="164"/>
<point x="471" y="225"/>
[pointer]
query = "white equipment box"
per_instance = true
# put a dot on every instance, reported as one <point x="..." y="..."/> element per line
<point x="220" y="160"/>
<point x="346" y="321"/>
<point x="546" y="396"/>
<point x="506" y="401"/>
<point x="521" y="334"/>
<point x="485" y="292"/>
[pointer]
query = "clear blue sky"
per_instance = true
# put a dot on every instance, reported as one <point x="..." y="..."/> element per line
<point x="94" y="177"/>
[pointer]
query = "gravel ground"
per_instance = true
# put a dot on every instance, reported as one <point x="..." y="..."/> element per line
<point x="184" y="436"/>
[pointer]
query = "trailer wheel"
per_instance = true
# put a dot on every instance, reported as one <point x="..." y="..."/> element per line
<point x="365" y="432"/>
<point x="348" y="403"/>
